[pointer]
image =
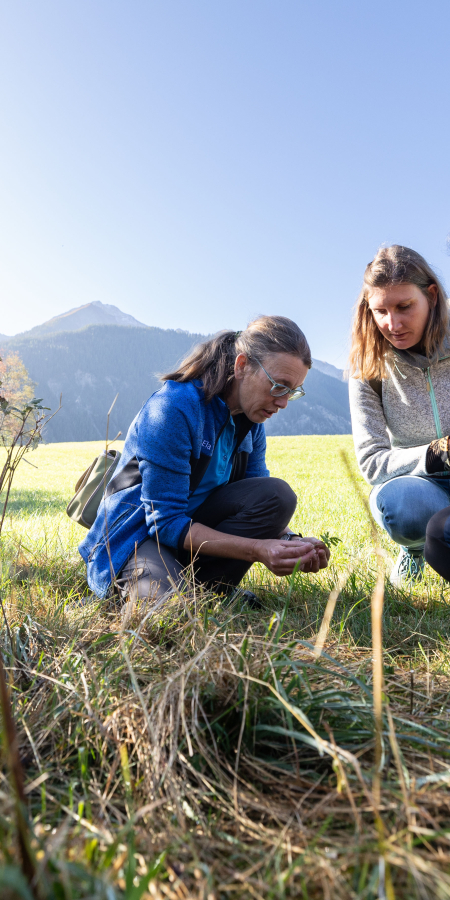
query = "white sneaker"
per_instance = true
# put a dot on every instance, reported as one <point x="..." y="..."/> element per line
<point x="408" y="568"/>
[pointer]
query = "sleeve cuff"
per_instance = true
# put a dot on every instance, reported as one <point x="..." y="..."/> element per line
<point x="183" y="534"/>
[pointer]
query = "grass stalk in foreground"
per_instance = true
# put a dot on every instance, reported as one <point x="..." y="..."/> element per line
<point x="11" y="746"/>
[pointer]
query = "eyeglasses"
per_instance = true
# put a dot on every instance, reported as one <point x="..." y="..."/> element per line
<point x="280" y="390"/>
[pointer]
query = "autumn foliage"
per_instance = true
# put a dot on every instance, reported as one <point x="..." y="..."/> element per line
<point x="22" y="418"/>
<point x="16" y="387"/>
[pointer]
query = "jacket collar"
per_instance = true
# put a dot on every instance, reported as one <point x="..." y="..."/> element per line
<point x="220" y="412"/>
<point x="418" y="360"/>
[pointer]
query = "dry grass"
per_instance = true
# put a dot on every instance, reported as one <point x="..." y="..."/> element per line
<point x="207" y="752"/>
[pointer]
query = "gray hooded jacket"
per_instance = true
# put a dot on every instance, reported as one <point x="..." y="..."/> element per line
<point x="392" y="433"/>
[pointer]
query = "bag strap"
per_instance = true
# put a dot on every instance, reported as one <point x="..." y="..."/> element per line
<point x="128" y="477"/>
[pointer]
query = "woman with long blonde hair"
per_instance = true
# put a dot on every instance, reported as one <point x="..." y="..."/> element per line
<point x="400" y="400"/>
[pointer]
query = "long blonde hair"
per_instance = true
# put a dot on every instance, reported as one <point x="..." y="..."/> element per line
<point x="213" y="361"/>
<point x="394" y="265"/>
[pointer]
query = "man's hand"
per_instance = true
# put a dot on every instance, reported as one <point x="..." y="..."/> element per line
<point x="281" y="557"/>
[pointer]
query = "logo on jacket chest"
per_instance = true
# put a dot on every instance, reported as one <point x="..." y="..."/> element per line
<point x="206" y="445"/>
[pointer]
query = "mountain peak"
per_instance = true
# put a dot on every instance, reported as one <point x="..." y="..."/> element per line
<point x="94" y="313"/>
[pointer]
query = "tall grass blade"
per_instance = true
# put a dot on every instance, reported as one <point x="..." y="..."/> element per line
<point x="15" y="768"/>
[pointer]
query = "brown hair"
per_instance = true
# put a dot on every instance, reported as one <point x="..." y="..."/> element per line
<point x="213" y="361"/>
<point x="394" y="265"/>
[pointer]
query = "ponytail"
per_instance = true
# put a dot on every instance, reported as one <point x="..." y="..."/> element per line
<point x="212" y="361"/>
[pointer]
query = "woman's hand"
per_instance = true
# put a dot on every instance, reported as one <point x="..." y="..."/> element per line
<point x="281" y="557"/>
<point x="323" y="552"/>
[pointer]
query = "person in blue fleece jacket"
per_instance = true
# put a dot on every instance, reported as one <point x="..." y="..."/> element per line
<point x="192" y="486"/>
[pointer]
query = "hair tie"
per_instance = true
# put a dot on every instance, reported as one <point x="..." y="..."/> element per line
<point x="237" y="334"/>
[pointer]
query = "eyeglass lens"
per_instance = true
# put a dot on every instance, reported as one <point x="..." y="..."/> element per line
<point x="278" y="391"/>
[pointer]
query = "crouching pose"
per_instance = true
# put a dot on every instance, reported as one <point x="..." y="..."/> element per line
<point x="400" y="400"/>
<point x="192" y="482"/>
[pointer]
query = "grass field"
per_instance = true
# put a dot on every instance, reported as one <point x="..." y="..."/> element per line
<point x="207" y="752"/>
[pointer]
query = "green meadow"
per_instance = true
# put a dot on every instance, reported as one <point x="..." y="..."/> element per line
<point x="209" y="751"/>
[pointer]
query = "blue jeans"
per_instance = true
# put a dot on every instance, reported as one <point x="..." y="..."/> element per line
<point x="404" y="505"/>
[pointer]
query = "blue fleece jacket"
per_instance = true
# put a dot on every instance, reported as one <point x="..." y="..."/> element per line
<point x="174" y="426"/>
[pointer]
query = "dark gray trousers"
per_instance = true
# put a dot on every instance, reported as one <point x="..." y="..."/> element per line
<point x="253" y="508"/>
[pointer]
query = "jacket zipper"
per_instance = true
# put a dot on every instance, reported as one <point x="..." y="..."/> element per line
<point x="434" y="405"/>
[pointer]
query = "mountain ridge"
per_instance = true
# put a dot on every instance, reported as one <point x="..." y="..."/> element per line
<point x="98" y="313"/>
<point x="89" y="366"/>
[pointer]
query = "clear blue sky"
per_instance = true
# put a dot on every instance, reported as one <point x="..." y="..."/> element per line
<point x="197" y="162"/>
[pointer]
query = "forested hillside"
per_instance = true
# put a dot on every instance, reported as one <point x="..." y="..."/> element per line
<point x="323" y="410"/>
<point x="90" y="366"/>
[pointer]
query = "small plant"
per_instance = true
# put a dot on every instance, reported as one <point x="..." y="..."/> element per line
<point x="330" y="540"/>
<point x="20" y="431"/>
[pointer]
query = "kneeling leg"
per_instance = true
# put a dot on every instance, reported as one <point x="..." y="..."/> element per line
<point x="403" y="506"/>
<point x="149" y="573"/>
